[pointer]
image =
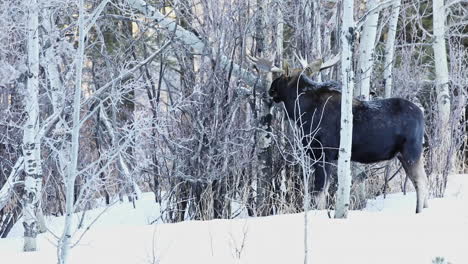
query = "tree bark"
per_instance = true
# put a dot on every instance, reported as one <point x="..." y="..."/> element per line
<point x="279" y="47"/>
<point x="72" y="168"/>
<point x="365" y="67"/>
<point x="440" y="57"/>
<point x="51" y="62"/>
<point x="366" y="51"/>
<point x="347" y="75"/>
<point x="390" y="48"/>
<point x="31" y="138"/>
<point x="317" y="33"/>
<point x="264" y="137"/>
<point x="443" y="95"/>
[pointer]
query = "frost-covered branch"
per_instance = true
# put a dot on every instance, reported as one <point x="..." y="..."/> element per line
<point x="7" y="190"/>
<point x="190" y="39"/>
<point x="123" y="76"/>
<point x="375" y="9"/>
<point x="89" y="23"/>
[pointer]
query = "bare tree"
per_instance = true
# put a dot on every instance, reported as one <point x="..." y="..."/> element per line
<point x="264" y="136"/>
<point x="346" y="131"/>
<point x="390" y="48"/>
<point x="366" y="51"/>
<point x="301" y="155"/>
<point x="71" y="172"/>
<point x="443" y="95"/>
<point x="167" y="84"/>
<point x="31" y="139"/>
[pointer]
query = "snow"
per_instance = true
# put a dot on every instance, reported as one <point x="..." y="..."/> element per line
<point x="387" y="231"/>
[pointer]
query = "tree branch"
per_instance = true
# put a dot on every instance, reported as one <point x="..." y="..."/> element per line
<point x="190" y="39"/>
<point x="375" y="9"/>
<point x="94" y="16"/>
<point x="123" y="76"/>
<point x="7" y="189"/>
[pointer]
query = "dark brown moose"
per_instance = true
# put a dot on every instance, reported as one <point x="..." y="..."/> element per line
<point x="382" y="129"/>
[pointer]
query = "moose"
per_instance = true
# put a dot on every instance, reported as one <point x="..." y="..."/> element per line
<point x="382" y="129"/>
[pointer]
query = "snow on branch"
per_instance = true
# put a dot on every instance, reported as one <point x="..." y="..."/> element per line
<point x="375" y="9"/>
<point x="123" y="76"/>
<point x="94" y="16"/>
<point x="7" y="189"/>
<point x="190" y="39"/>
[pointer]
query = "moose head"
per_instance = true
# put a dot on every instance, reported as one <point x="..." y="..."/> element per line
<point x="286" y="79"/>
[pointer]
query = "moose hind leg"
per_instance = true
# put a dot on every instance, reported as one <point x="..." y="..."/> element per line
<point x="415" y="171"/>
<point x="423" y="181"/>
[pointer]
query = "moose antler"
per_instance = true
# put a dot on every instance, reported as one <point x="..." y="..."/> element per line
<point x="331" y="62"/>
<point x="317" y="65"/>
<point x="313" y="67"/>
<point x="267" y="65"/>
<point x="264" y="64"/>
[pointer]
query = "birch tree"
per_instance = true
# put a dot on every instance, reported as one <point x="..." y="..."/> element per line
<point x="317" y="35"/>
<point x="31" y="139"/>
<point x="390" y="47"/>
<point x="71" y="173"/>
<point x="346" y="131"/>
<point x="365" y="66"/>
<point x="442" y="91"/>
<point x="366" y="51"/>
<point x="76" y="123"/>
<point x="264" y="136"/>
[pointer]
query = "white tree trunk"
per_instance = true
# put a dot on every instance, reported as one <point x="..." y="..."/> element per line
<point x="279" y="39"/>
<point x="317" y="33"/>
<point x="390" y="48"/>
<point x="366" y="51"/>
<point x="279" y="21"/>
<point x="264" y="139"/>
<point x="31" y="139"/>
<point x="444" y="159"/>
<point x="440" y="57"/>
<point x="347" y="75"/>
<point x="71" y="172"/>
<point x="365" y="67"/>
<point x="51" y="62"/>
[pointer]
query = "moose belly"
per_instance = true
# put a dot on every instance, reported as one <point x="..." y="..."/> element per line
<point x="374" y="148"/>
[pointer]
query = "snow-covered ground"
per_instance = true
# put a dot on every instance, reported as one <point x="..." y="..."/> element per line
<point x="388" y="231"/>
